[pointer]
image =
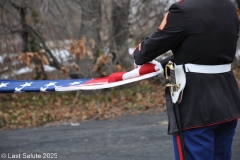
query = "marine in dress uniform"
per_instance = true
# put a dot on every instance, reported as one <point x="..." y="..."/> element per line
<point x="202" y="33"/>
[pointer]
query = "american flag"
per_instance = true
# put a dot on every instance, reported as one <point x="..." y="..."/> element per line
<point x="20" y="86"/>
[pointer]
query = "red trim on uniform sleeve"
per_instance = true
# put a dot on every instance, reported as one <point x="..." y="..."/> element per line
<point x="238" y="13"/>
<point x="164" y="22"/>
<point x="179" y="1"/>
<point x="138" y="47"/>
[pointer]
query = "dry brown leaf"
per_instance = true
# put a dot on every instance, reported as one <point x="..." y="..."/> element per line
<point x="65" y="70"/>
<point x="92" y="42"/>
<point x="77" y="67"/>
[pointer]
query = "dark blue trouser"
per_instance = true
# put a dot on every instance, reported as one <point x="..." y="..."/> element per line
<point x="207" y="143"/>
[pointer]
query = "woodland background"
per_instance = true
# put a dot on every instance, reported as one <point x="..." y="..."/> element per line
<point x="67" y="39"/>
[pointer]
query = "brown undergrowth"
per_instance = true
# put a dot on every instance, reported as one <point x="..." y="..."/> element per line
<point x="38" y="109"/>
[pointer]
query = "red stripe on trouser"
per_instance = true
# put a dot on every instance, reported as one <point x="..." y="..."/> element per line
<point x="179" y="146"/>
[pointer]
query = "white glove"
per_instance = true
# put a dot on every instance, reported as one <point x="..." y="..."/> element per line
<point x="158" y="65"/>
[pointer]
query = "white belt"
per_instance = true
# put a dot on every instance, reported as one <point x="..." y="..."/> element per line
<point x="209" y="69"/>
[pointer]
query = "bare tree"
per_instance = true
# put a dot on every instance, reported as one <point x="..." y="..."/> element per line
<point x="145" y="17"/>
<point x="82" y="38"/>
<point x="120" y="31"/>
<point x="91" y="20"/>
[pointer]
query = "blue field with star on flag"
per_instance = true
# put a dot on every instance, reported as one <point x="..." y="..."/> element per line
<point x="19" y="86"/>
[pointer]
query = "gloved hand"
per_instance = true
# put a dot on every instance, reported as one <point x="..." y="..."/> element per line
<point x="158" y="65"/>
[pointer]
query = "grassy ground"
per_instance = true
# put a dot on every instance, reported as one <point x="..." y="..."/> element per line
<point x="37" y="109"/>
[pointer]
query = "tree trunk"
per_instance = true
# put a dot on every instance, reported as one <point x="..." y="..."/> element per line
<point x="90" y="28"/>
<point x="31" y="42"/>
<point x="91" y="20"/>
<point x="120" y="13"/>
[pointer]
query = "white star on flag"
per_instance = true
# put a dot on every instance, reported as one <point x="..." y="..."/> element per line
<point x="74" y="83"/>
<point x="50" y="84"/>
<point x="3" y="85"/>
<point x="43" y="89"/>
<point x="18" y="90"/>
<point x="26" y="84"/>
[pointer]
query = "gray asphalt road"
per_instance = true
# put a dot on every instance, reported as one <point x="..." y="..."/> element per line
<point x="141" y="137"/>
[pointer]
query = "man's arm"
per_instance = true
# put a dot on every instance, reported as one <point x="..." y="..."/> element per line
<point x="169" y="35"/>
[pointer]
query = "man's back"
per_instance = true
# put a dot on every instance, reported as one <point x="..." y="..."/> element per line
<point x="211" y="32"/>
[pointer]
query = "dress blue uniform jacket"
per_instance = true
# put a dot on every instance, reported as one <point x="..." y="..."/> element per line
<point x="200" y="32"/>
